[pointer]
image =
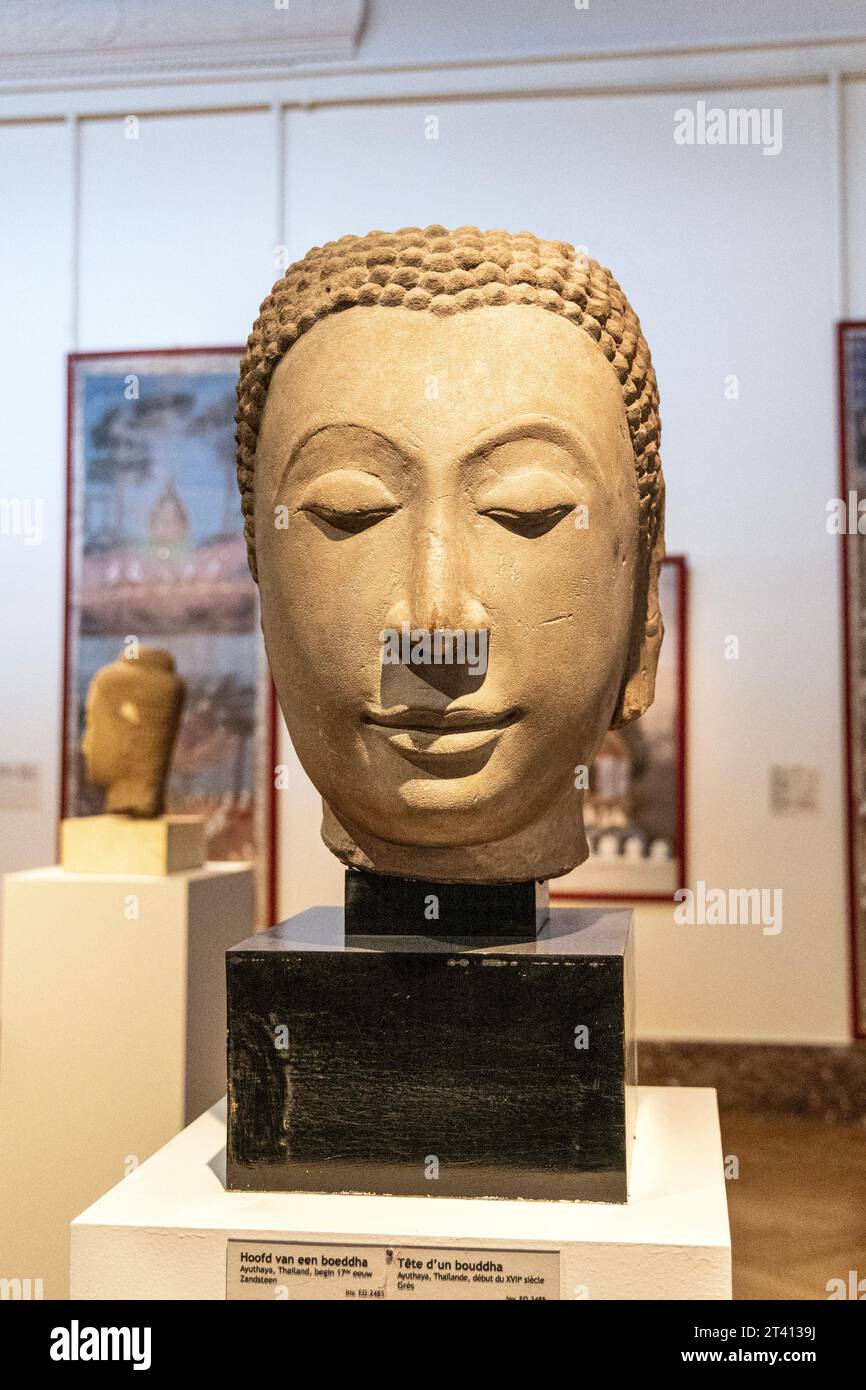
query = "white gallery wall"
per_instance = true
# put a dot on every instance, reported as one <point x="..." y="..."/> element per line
<point x="738" y="263"/>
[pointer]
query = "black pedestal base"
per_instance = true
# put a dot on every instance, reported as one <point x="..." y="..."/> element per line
<point x="413" y="1065"/>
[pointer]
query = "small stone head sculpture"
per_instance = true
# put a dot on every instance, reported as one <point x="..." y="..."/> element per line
<point x="453" y="501"/>
<point x="132" y="715"/>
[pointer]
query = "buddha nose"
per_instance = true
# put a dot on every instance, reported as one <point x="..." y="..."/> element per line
<point x="439" y="598"/>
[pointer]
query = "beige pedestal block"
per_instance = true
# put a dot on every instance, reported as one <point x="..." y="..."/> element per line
<point x="112" y="1037"/>
<point x="124" y="845"/>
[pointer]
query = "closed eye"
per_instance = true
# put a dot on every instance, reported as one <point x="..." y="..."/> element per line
<point x="529" y="524"/>
<point x="350" y="523"/>
<point x="529" y="501"/>
<point x="348" y="500"/>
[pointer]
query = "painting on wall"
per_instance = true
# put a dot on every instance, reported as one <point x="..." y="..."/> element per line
<point x="849" y="521"/>
<point x="156" y="553"/>
<point x="635" y="800"/>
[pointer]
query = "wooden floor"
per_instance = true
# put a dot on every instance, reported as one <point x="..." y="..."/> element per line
<point x="798" y="1207"/>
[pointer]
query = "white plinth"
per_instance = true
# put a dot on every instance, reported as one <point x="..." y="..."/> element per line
<point x="162" y="1232"/>
<point x="112" y="1037"/>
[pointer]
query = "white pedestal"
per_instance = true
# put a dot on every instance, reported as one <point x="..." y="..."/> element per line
<point x="162" y="1233"/>
<point x="112" y="1037"/>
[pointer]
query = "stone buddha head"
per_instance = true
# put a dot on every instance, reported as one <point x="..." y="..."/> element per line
<point x="453" y="501"/>
<point x="132" y="715"/>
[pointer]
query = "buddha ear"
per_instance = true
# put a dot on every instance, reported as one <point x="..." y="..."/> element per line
<point x="638" y="687"/>
<point x="130" y="712"/>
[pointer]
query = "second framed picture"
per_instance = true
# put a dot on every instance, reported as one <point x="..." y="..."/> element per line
<point x="635" y="811"/>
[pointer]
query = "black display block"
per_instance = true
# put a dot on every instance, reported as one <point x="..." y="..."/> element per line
<point x="377" y="905"/>
<point x="444" y="1066"/>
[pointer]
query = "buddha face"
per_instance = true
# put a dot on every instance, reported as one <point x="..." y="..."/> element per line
<point x="472" y="473"/>
<point x="96" y="745"/>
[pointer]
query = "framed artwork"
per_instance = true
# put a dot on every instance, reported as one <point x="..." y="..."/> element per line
<point x="635" y="810"/>
<point x="155" y="552"/>
<point x="850" y="523"/>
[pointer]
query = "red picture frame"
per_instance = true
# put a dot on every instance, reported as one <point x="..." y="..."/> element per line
<point x="265" y="783"/>
<point x="851" y="408"/>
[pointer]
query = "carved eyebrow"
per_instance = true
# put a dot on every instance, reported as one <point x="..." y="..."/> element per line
<point x="545" y="427"/>
<point x="405" y="449"/>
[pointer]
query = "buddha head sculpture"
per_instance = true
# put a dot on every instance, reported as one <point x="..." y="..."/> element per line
<point x="453" y="501"/>
<point x="132" y="715"/>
